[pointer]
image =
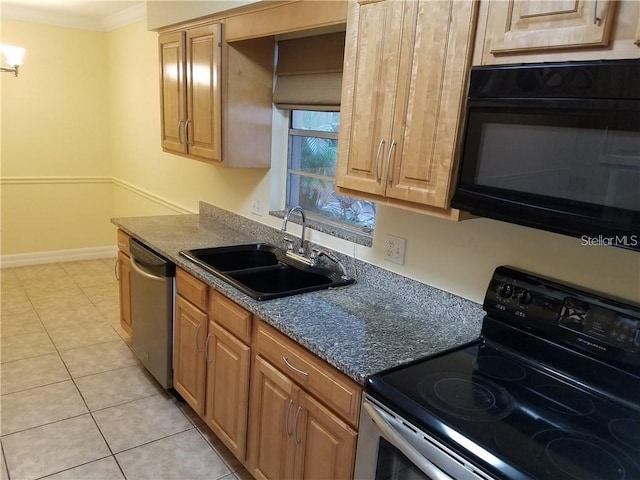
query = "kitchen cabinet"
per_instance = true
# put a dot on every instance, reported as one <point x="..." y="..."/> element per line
<point x="123" y="273"/>
<point x="191" y="321"/>
<point x="281" y="410"/>
<point x="531" y="25"/>
<point x="406" y="64"/>
<point x="531" y="31"/>
<point x="190" y="96"/>
<point x="213" y="93"/>
<point x="189" y="361"/>
<point x="271" y="451"/>
<point x="228" y="371"/>
<point x="303" y="413"/>
<point x="212" y="364"/>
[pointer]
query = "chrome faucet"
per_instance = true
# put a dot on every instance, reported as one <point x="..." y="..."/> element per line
<point x="301" y="250"/>
<point x="319" y="252"/>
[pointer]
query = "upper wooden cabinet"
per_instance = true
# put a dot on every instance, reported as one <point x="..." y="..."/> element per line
<point x="517" y="31"/>
<point x="531" y="25"/>
<point x="190" y="97"/>
<point x="216" y="97"/>
<point x="406" y="66"/>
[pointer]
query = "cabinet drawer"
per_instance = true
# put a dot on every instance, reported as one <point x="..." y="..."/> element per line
<point x="192" y="289"/>
<point x="231" y="316"/>
<point x="333" y="388"/>
<point x="123" y="242"/>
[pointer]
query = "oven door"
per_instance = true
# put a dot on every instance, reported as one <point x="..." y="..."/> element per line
<point x="391" y="448"/>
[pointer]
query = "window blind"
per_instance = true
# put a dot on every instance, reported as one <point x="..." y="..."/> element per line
<point x="309" y="73"/>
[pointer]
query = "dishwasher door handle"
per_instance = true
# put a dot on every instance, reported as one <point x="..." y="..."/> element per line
<point x="141" y="271"/>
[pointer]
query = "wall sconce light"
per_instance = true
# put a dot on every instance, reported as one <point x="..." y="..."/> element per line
<point x="13" y="57"/>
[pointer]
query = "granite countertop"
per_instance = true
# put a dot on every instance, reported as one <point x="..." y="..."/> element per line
<point x="381" y="321"/>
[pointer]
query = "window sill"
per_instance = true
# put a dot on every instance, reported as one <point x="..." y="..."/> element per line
<point x="335" y="229"/>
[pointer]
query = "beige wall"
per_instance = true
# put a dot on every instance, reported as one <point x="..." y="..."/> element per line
<point x="55" y="140"/>
<point x="457" y="257"/>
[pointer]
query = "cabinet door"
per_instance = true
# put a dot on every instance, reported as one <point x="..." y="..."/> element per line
<point x="203" y="92"/>
<point x="534" y="25"/>
<point x="428" y="113"/>
<point x="326" y="446"/>
<point x="372" y="56"/>
<point x="228" y="367"/>
<point x="189" y="362"/>
<point x="272" y="410"/>
<point x="124" y="276"/>
<point x="172" y="92"/>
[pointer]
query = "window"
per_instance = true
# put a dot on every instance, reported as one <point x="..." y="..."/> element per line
<point x="311" y="170"/>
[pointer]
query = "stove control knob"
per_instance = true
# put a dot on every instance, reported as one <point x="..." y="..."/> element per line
<point x="505" y="290"/>
<point x="525" y="297"/>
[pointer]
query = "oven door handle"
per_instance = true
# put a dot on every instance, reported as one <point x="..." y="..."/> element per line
<point x="401" y="444"/>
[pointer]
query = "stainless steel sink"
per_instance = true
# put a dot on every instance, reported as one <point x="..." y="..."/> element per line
<point x="264" y="271"/>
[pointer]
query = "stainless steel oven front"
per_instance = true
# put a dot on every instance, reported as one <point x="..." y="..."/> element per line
<point x="390" y="447"/>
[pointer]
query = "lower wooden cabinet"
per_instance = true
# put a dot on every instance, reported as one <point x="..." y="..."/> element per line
<point x="271" y="449"/>
<point x="326" y="445"/>
<point x="189" y="363"/>
<point x="293" y="434"/>
<point x="227" y="397"/>
<point x="282" y="411"/>
<point x="212" y="365"/>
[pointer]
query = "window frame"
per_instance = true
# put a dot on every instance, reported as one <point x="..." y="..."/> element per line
<point x="330" y="224"/>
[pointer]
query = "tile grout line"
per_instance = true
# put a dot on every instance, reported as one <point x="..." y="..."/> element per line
<point x="75" y="466"/>
<point x="166" y="394"/>
<point x="74" y="383"/>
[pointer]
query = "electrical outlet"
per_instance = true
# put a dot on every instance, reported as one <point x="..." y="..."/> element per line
<point x="256" y="206"/>
<point x="395" y="249"/>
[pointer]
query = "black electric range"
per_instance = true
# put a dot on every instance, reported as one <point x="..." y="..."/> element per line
<point x="550" y="390"/>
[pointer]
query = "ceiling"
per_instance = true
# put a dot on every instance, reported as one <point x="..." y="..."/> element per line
<point x="90" y="14"/>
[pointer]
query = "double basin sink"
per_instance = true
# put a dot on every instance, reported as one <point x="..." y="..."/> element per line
<point x="264" y="271"/>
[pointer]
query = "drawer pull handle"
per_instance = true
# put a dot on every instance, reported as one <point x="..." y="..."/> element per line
<point x="295" y="425"/>
<point x="286" y="420"/>
<point x="286" y="360"/>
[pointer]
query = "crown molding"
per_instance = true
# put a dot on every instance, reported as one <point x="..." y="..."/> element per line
<point x="109" y="23"/>
<point x="137" y="13"/>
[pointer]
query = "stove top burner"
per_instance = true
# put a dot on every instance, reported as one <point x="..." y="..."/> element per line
<point x="626" y="431"/>
<point x="466" y="397"/>
<point x="572" y="454"/>
<point x="499" y="368"/>
<point x="565" y="400"/>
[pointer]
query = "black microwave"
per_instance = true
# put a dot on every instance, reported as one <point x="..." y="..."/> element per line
<point x="555" y="146"/>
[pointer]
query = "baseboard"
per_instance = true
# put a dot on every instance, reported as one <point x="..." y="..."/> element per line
<point x="55" y="256"/>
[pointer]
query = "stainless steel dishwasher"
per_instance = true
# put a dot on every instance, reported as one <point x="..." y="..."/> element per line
<point x="152" y="287"/>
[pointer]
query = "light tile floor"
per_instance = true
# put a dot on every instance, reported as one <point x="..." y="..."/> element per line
<point x="75" y="403"/>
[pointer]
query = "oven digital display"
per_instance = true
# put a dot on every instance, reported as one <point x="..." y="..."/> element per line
<point x="600" y="324"/>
